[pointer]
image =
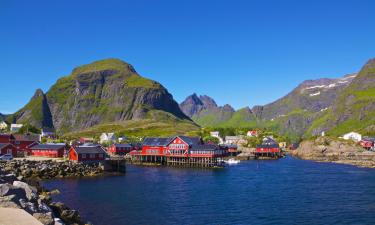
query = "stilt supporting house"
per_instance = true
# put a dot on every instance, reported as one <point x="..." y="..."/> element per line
<point x="179" y="151"/>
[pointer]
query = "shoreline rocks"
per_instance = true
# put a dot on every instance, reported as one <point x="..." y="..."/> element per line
<point x="50" y="169"/>
<point x="327" y="149"/>
<point x="20" y="187"/>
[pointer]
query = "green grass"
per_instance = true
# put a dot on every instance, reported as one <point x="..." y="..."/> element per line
<point x="137" y="81"/>
<point x="158" y="123"/>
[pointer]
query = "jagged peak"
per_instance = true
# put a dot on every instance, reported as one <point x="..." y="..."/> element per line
<point x="38" y="93"/>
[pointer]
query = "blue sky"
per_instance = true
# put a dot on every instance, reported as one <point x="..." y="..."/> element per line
<point x="238" y="52"/>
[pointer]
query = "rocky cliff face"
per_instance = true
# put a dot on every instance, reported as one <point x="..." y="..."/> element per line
<point x="101" y="92"/>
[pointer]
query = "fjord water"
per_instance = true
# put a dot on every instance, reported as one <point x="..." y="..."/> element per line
<point x="287" y="191"/>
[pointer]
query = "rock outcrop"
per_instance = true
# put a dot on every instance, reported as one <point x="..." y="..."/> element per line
<point x="326" y="149"/>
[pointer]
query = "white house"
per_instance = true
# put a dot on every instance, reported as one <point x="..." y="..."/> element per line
<point x="107" y="137"/>
<point x="353" y="136"/>
<point x="15" y="127"/>
<point x="3" y="125"/>
<point x="229" y="140"/>
<point x="48" y="132"/>
<point x="216" y="134"/>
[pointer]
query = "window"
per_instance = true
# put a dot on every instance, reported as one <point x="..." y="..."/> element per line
<point x="92" y="156"/>
<point x="83" y="156"/>
<point x="9" y="151"/>
<point x="100" y="155"/>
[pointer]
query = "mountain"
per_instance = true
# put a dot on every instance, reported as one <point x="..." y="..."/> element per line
<point x="36" y="112"/>
<point x="353" y="109"/>
<point x="204" y="111"/>
<point x="108" y="91"/>
<point x="291" y="115"/>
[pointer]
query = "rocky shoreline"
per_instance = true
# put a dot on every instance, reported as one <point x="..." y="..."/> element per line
<point x="20" y="188"/>
<point x="327" y="149"/>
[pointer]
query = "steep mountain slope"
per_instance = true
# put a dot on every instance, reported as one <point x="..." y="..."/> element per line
<point x="354" y="108"/>
<point x="310" y="96"/>
<point x="36" y="112"/>
<point x="104" y="91"/>
<point x="294" y="114"/>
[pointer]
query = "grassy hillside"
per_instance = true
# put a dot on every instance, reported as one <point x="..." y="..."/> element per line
<point x="157" y="123"/>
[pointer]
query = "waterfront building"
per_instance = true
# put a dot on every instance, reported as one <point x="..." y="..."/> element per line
<point x="51" y="150"/>
<point x="7" y="138"/>
<point x="8" y="148"/>
<point x="23" y="142"/>
<point x="232" y="149"/>
<point x="368" y="143"/>
<point x="89" y="153"/>
<point x="180" y="151"/>
<point x="120" y="149"/>
<point x="268" y="149"/>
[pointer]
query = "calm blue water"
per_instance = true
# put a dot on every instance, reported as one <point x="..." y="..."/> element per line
<point x="287" y="191"/>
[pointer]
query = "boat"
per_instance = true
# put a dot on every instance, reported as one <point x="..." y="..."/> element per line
<point x="232" y="161"/>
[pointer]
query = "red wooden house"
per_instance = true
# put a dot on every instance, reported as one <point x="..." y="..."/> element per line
<point x="181" y="151"/>
<point x="367" y="143"/>
<point x="232" y="150"/>
<point x="8" y="148"/>
<point x="120" y="149"/>
<point x="269" y="149"/>
<point x="23" y="143"/>
<point x="48" y="150"/>
<point x="7" y="138"/>
<point x="89" y="153"/>
<point x="84" y="140"/>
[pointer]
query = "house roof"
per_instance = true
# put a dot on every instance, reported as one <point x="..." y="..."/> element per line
<point x="157" y="141"/>
<point x="206" y="147"/>
<point x="190" y="140"/>
<point x="48" y="146"/>
<point x="89" y="149"/>
<point x="123" y="145"/>
<point x="268" y="146"/>
<point x="26" y="137"/>
<point x="10" y="136"/>
<point x="3" y="145"/>
<point x="165" y="141"/>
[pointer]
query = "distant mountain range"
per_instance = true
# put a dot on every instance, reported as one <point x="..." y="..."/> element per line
<point x="332" y="105"/>
<point x="109" y="95"/>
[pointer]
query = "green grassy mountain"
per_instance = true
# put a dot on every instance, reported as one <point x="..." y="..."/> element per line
<point x="104" y="92"/>
<point x="354" y="108"/>
<point x="292" y="115"/>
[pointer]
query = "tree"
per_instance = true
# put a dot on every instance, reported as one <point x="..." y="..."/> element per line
<point x="210" y="139"/>
<point x="28" y="128"/>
